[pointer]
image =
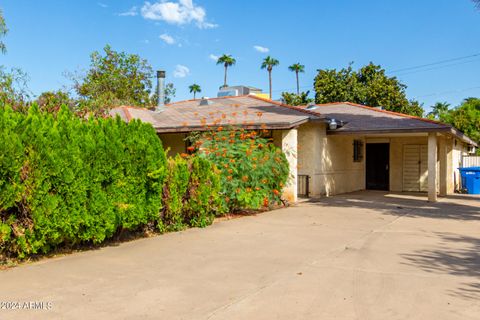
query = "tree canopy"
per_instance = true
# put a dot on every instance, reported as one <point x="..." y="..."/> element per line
<point x="368" y="86"/>
<point x="297" y="68"/>
<point x="465" y="117"/>
<point x="268" y="63"/>
<point x="292" y="99"/>
<point x="438" y="110"/>
<point x="13" y="88"/>
<point x="3" y="32"/>
<point x="52" y="101"/>
<point x="116" y="78"/>
<point x="194" y="88"/>
<point x="227" y="61"/>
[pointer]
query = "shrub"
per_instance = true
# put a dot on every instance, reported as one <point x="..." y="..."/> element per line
<point x="65" y="180"/>
<point x="191" y="194"/>
<point x="174" y="192"/>
<point x="203" y="199"/>
<point x="254" y="171"/>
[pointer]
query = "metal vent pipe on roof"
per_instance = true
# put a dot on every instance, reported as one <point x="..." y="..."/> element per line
<point x="160" y="91"/>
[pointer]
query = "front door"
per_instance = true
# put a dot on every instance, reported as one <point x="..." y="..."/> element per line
<point x="377" y="166"/>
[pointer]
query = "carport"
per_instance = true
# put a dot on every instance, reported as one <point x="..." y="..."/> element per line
<point x="373" y="149"/>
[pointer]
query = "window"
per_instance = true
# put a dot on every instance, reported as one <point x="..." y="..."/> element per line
<point x="357" y="150"/>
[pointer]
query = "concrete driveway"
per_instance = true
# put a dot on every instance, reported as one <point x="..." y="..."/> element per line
<point x="365" y="255"/>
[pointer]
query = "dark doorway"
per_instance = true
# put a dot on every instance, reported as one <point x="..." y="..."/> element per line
<point x="377" y="166"/>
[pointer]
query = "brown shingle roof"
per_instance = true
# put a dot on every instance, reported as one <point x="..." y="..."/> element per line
<point x="363" y="119"/>
<point x="252" y="112"/>
<point x="248" y="111"/>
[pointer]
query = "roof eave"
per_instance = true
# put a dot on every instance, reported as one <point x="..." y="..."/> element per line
<point x="389" y="130"/>
<point x="267" y="126"/>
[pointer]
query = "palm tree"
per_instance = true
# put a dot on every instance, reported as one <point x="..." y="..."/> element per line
<point x="438" y="109"/>
<point x="268" y="63"/>
<point x="297" y="68"/>
<point x="3" y="32"/>
<point x="195" y="88"/>
<point x="227" y="61"/>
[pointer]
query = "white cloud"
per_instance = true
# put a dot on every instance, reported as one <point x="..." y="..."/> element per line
<point x="167" y="38"/>
<point x="133" y="11"/>
<point x="181" y="71"/>
<point x="213" y="57"/>
<point x="208" y="25"/>
<point x="103" y="5"/>
<point x="261" y="49"/>
<point x="179" y="13"/>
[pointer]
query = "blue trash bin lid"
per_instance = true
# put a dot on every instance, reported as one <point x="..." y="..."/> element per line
<point x="472" y="169"/>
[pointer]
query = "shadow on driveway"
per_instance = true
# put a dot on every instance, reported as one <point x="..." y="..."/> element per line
<point x="458" y="207"/>
<point x="455" y="254"/>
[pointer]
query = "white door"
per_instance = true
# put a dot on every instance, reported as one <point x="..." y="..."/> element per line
<point x="415" y="167"/>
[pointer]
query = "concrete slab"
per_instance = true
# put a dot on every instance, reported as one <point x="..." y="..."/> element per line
<point x="367" y="255"/>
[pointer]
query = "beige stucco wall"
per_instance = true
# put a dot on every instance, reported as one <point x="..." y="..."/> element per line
<point x="287" y="140"/>
<point x="329" y="161"/>
<point x="175" y="142"/>
<point x="459" y="149"/>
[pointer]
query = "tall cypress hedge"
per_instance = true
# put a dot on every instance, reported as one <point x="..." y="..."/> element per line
<point x="66" y="180"/>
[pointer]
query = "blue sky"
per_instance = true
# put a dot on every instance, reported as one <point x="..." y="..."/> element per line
<point x="48" y="38"/>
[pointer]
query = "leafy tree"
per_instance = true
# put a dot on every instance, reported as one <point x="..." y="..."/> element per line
<point x="170" y="92"/>
<point x="194" y="88"/>
<point x="465" y="118"/>
<point x="51" y="101"/>
<point x="268" y="63"/>
<point x="438" y="109"/>
<point x="297" y="68"/>
<point x="368" y="86"/>
<point x="115" y="78"/>
<point x="227" y="61"/>
<point x="292" y="99"/>
<point x="13" y="88"/>
<point x="3" y="32"/>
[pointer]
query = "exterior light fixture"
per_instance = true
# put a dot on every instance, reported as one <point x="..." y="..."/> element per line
<point x="332" y="124"/>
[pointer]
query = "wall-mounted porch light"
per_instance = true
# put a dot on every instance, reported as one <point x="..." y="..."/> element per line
<point x="332" y="124"/>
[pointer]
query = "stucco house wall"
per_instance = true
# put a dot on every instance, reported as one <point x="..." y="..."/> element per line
<point x="175" y="142"/>
<point x="328" y="160"/>
<point x="459" y="149"/>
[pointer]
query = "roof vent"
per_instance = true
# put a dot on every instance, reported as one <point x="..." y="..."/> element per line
<point x="205" y="102"/>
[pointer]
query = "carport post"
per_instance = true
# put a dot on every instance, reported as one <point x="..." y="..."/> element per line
<point x="432" y="167"/>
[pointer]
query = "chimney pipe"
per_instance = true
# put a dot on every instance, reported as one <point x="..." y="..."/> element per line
<point x="160" y="91"/>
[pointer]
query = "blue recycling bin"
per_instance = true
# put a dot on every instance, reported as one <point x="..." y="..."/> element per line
<point x="471" y="179"/>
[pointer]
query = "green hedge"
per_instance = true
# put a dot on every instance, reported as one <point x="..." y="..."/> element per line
<point x="191" y="194"/>
<point x="65" y="180"/>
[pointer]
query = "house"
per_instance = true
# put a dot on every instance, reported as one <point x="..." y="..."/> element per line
<point x="331" y="148"/>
